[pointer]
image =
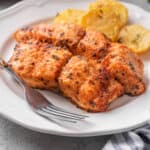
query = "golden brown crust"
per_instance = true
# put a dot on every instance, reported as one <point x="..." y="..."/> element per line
<point x="39" y="67"/>
<point x="64" y="35"/>
<point x="73" y="74"/>
<point x="88" y="85"/>
<point x="101" y="72"/>
<point x="94" y="45"/>
<point x="126" y="68"/>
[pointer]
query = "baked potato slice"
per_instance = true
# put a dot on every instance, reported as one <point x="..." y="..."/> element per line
<point x="69" y="16"/>
<point x="119" y="9"/>
<point x="135" y="37"/>
<point x="100" y="18"/>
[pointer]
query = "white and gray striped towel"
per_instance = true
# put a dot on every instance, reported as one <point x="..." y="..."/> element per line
<point x="138" y="139"/>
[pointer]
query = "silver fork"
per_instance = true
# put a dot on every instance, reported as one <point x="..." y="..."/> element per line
<point x="40" y="104"/>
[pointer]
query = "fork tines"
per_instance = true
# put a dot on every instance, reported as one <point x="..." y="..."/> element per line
<point x="60" y="114"/>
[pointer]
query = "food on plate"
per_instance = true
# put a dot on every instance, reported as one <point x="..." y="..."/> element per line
<point x="83" y="64"/>
<point x="89" y="85"/>
<point x="126" y="67"/>
<point x="118" y="59"/>
<point x="135" y="37"/>
<point x="69" y="16"/>
<point x="39" y="67"/>
<point x="98" y="17"/>
<point x="120" y="10"/>
<point x="94" y="45"/>
<point x="107" y="17"/>
<point x="64" y="35"/>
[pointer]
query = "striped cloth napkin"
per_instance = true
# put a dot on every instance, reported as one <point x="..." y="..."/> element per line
<point x="138" y="139"/>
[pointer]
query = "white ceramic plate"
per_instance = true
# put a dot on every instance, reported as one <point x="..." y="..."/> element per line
<point x="15" y="108"/>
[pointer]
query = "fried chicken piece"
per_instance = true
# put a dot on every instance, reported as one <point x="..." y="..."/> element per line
<point x="94" y="45"/>
<point x="73" y="75"/>
<point x="126" y="67"/>
<point x="39" y="66"/>
<point x="101" y="72"/>
<point x="64" y="35"/>
<point x="88" y="85"/>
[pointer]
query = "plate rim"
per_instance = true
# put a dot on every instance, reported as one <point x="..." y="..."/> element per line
<point x="65" y="134"/>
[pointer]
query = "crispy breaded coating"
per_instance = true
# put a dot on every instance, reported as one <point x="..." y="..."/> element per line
<point x="64" y="35"/>
<point x="94" y="45"/>
<point x="126" y="67"/>
<point x="67" y="35"/>
<point x="73" y="74"/>
<point x="87" y="68"/>
<point x="39" y="67"/>
<point x="99" y="91"/>
<point x="88" y="86"/>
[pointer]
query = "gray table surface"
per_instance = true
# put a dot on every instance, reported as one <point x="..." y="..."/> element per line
<point x="14" y="137"/>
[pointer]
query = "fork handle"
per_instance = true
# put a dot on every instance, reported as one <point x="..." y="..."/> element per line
<point x="4" y="66"/>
